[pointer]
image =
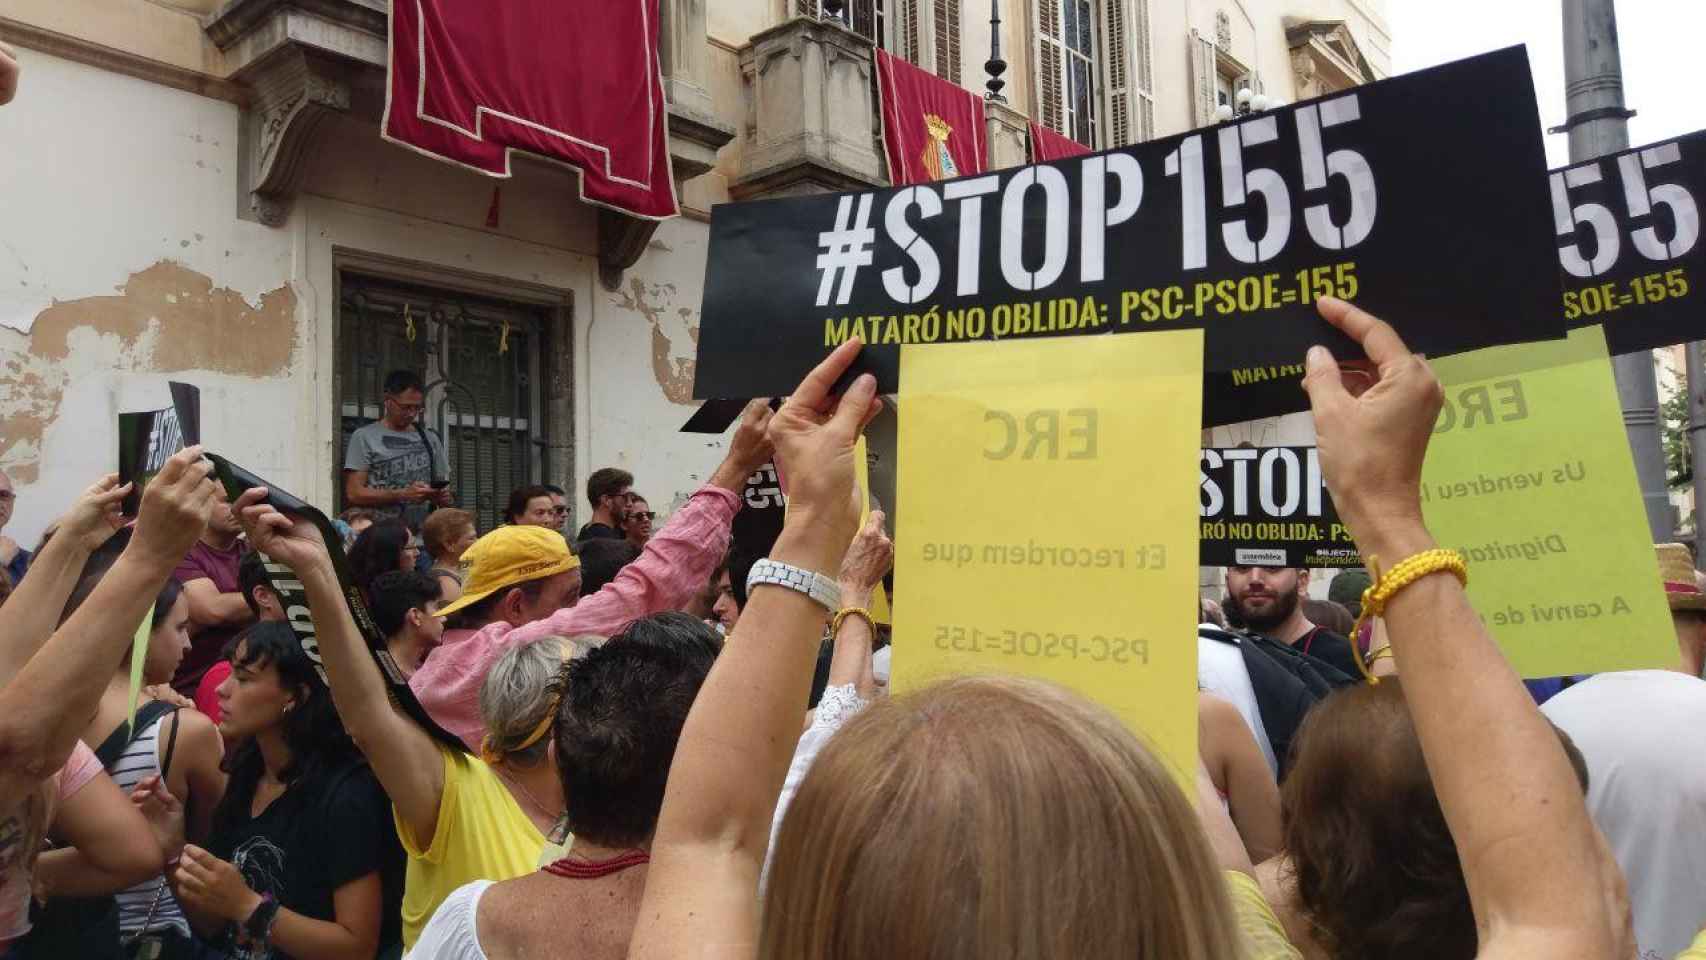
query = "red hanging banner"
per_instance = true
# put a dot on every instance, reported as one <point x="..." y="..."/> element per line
<point x="1046" y="145"/>
<point x="932" y="129"/>
<point x="575" y="81"/>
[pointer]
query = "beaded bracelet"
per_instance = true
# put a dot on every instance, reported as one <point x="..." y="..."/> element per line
<point x="844" y="613"/>
<point x="1407" y="571"/>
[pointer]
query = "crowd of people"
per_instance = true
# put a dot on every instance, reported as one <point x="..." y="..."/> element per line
<point x="634" y="743"/>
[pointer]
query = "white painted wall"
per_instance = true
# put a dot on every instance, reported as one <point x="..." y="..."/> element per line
<point x="102" y="176"/>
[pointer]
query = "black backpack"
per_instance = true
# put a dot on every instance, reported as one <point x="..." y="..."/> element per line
<point x="1287" y="683"/>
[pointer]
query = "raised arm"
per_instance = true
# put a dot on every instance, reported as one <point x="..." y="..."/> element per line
<point x="29" y="617"/>
<point x="1539" y="877"/>
<point x="680" y="557"/>
<point x="702" y="888"/>
<point x="37" y="731"/>
<point x="403" y="756"/>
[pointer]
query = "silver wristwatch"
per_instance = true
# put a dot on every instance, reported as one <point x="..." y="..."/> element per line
<point x="815" y="585"/>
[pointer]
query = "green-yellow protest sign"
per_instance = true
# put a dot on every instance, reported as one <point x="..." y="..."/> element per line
<point x="1529" y="474"/>
<point x="1048" y="521"/>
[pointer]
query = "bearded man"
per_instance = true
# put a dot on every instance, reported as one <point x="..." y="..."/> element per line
<point x="1266" y="600"/>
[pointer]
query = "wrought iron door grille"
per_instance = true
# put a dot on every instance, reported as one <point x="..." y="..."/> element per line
<point x="481" y="361"/>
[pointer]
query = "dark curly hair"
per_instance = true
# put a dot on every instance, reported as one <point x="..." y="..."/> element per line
<point x="622" y="709"/>
<point x="1375" y="868"/>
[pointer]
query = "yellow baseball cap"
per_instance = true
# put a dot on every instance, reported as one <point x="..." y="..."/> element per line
<point x="508" y="556"/>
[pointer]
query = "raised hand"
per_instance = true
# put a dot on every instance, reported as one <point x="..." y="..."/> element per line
<point x="814" y="434"/>
<point x="868" y="560"/>
<point x="291" y="541"/>
<point x="175" y="508"/>
<point x="95" y="515"/>
<point x="750" y="448"/>
<point x="1372" y="445"/>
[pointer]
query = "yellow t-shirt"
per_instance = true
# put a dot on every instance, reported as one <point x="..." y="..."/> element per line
<point x="482" y="835"/>
<point x="1697" y="950"/>
<point x="1263" y="935"/>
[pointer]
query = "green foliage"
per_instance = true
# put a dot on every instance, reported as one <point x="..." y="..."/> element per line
<point x="1679" y="460"/>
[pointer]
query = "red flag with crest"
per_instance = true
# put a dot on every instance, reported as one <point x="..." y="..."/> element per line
<point x="574" y="81"/>
<point x="932" y="129"/>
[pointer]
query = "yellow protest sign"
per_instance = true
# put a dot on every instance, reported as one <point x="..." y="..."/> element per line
<point x="1050" y="515"/>
<point x="1529" y="474"/>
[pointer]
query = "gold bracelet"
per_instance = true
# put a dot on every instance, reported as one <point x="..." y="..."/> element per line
<point x="845" y="612"/>
<point x="1386" y="585"/>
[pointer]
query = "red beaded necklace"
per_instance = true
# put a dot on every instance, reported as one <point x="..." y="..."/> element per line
<point x="591" y="869"/>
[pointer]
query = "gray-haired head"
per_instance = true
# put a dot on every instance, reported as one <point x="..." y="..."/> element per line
<point x="519" y="697"/>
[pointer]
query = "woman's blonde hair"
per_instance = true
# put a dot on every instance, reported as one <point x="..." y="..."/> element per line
<point x="985" y="818"/>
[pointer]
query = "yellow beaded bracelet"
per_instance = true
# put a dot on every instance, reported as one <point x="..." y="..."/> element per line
<point x="844" y="613"/>
<point x="1407" y="571"/>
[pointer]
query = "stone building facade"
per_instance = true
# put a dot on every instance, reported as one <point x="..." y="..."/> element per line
<point x="197" y="190"/>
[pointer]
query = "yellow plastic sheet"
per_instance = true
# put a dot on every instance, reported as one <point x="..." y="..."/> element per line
<point x="1049" y="528"/>
<point x="1529" y="474"/>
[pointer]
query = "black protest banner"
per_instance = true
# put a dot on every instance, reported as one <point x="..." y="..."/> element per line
<point x="1404" y="195"/>
<point x="1627" y="235"/>
<point x="1628" y="231"/>
<point x="147" y="439"/>
<point x="1269" y="508"/>
<point x="759" y="522"/>
<point x="294" y="597"/>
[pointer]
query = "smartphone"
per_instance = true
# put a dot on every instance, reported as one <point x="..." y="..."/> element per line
<point x="440" y="484"/>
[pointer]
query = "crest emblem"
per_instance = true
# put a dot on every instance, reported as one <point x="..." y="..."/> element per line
<point x="938" y="162"/>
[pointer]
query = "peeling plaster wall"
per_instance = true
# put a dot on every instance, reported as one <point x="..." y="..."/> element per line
<point x="647" y="334"/>
<point x="123" y="265"/>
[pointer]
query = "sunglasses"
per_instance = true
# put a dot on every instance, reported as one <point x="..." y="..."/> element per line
<point x="642" y="515"/>
<point x="560" y="511"/>
<point x="7" y="496"/>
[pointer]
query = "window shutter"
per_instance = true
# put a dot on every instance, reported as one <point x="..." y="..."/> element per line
<point x="1116" y="73"/>
<point x="907" y="39"/>
<point x="948" y="40"/>
<point x="1143" y="77"/>
<point x="1202" y="78"/>
<point x="1050" y="47"/>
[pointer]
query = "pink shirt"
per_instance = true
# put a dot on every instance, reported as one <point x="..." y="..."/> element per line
<point x="676" y="562"/>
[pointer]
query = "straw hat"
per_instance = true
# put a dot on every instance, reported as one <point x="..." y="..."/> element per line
<point x="1676" y="569"/>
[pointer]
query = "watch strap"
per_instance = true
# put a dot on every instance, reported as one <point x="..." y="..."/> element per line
<point x="820" y="588"/>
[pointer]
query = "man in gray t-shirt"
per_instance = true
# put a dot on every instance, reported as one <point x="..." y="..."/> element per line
<point x="392" y="466"/>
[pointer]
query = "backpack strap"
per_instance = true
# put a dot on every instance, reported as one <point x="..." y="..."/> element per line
<point x="171" y="744"/>
<point x="124" y="735"/>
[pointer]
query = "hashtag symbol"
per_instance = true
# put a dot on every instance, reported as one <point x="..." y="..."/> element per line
<point x="845" y="249"/>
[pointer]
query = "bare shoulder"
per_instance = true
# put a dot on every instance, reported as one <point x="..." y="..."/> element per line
<point x="1279" y="888"/>
<point x="197" y="735"/>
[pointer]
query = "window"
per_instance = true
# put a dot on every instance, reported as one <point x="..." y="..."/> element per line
<point x="1094" y="79"/>
<point x="947" y="40"/>
<point x="1081" y="70"/>
<point x="484" y="361"/>
<point x="1217" y="77"/>
<point x="924" y="32"/>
